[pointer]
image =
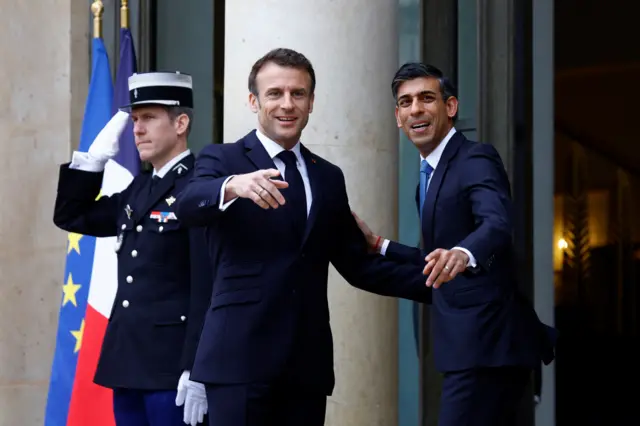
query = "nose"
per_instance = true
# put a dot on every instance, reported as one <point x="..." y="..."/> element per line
<point x="287" y="101"/>
<point x="138" y="128"/>
<point x="416" y="107"/>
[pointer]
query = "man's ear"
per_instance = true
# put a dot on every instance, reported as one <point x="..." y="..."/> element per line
<point x="254" y="103"/>
<point x="452" y="106"/>
<point x="181" y="124"/>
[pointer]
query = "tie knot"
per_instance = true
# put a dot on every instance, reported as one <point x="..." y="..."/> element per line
<point x="425" y="167"/>
<point x="288" y="158"/>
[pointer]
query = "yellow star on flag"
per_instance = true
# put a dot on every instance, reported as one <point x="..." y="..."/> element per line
<point x="74" y="242"/>
<point x="99" y="195"/>
<point x="70" y="289"/>
<point x="78" y="335"/>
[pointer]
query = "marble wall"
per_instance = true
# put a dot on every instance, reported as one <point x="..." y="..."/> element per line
<point x="353" y="45"/>
<point x="43" y="79"/>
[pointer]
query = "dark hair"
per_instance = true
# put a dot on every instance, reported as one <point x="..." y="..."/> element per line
<point x="285" y="58"/>
<point x="413" y="70"/>
<point x="176" y="111"/>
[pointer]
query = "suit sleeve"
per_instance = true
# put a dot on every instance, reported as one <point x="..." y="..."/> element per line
<point x="368" y="271"/>
<point x="76" y="208"/>
<point x="485" y="182"/>
<point x="405" y="254"/>
<point x="201" y="285"/>
<point x="197" y="205"/>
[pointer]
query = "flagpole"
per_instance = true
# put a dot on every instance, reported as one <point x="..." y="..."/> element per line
<point x="96" y="9"/>
<point x="124" y="14"/>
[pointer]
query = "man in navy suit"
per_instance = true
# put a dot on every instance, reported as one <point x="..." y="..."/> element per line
<point x="487" y="337"/>
<point x="266" y="350"/>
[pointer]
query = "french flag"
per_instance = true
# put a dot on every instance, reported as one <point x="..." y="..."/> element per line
<point x="91" y="265"/>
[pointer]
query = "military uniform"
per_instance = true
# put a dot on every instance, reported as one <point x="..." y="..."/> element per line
<point x="164" y="281"/>
<point x="164" y="270"/>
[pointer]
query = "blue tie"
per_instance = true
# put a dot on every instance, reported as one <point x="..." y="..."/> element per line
<point x="425" y="172"/>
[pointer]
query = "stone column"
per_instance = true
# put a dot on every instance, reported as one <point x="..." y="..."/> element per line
<point x="44" y="77"/>
<point x="353" y="47"/>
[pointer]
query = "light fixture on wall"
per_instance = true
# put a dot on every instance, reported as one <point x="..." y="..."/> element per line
<point x="562" y="244"/>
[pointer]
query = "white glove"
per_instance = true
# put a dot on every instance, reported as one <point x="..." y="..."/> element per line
<point x="106" y="145"/>
<point x="194" y="398"/>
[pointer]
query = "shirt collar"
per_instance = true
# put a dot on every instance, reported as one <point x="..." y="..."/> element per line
<point x="165" y="169"/>
<point x="434" y="157"/>
<point x="273" y="149"/>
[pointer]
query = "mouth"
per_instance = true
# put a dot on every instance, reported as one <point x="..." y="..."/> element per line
<point x="142" y="143"/>
<point x="420" y="126"/>
<point x="286" y="120"/>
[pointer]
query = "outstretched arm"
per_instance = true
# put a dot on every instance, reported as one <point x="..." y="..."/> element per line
<point x="391" y="249"/>
<point x="371" y="271"/>
<point x="213" y="189"/>
<point x="485" y="182"/>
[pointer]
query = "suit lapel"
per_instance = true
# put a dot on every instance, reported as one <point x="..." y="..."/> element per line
<point x="314" y="181"/>
<point x="434" y="187"/>
<point x="256" y="152"/>
<point x="163" y="187"/>
<point x="261" y="159"/>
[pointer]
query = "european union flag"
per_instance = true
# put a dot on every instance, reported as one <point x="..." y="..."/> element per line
<point x="80" y="253"/>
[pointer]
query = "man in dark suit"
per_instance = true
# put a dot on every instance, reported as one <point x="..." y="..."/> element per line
<point x="266" y="350"/>
<point x="164" y="271"/>
<point x="487" y="337"/>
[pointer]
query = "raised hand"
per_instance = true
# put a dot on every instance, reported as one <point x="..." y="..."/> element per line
<point x="106" y="145"/>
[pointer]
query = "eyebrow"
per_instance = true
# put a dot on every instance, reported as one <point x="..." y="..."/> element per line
<point x="294" y="89"/>
<point x="424" y="92"/>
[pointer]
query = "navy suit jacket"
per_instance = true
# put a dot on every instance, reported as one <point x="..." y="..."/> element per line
<point x="269" y="314"/>
<point x="479" y="319"/>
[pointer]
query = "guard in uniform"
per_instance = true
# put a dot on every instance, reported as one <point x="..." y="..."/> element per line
<point x="164" y="268"/>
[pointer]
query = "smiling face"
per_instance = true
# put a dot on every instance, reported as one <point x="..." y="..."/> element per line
<point x="283" y="102"/>
<point x="423" y="114"/>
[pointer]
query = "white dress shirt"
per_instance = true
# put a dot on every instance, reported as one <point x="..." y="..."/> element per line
<point x="165" y="169"/>
<point x="273" y="149"/>
<point x="433" y="159"/>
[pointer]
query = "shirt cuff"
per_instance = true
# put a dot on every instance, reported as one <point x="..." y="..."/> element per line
<point x="85" y="162"/>
<point x="222" y="205"/>
<point x="383" y="247"/>
<point x="472" y="260"/>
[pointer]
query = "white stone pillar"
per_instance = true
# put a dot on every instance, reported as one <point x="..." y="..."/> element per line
<point x="352" y="45"/>
<point x="43" y="85"/>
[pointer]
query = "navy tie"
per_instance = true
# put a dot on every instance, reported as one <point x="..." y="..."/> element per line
<point x="425" y="173"/>
<point x="154" y="183"/>
<point x="295" y="195"/>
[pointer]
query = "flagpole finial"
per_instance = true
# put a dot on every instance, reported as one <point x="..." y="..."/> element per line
<point x="96" y="9"/>
<point x="124" y="13"/>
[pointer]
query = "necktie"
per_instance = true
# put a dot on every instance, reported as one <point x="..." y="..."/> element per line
<point x="154" y="182"/>
<point x="425" y="173"/>
<point x="294" y="195"/>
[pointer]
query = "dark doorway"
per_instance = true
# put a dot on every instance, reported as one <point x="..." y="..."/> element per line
<point x="597" y="212"/>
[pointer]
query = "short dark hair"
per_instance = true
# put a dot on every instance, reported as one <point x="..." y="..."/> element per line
<point x="176" y="111"/>
<point x="413" y="70"/>
<point x="285" y="58"/>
